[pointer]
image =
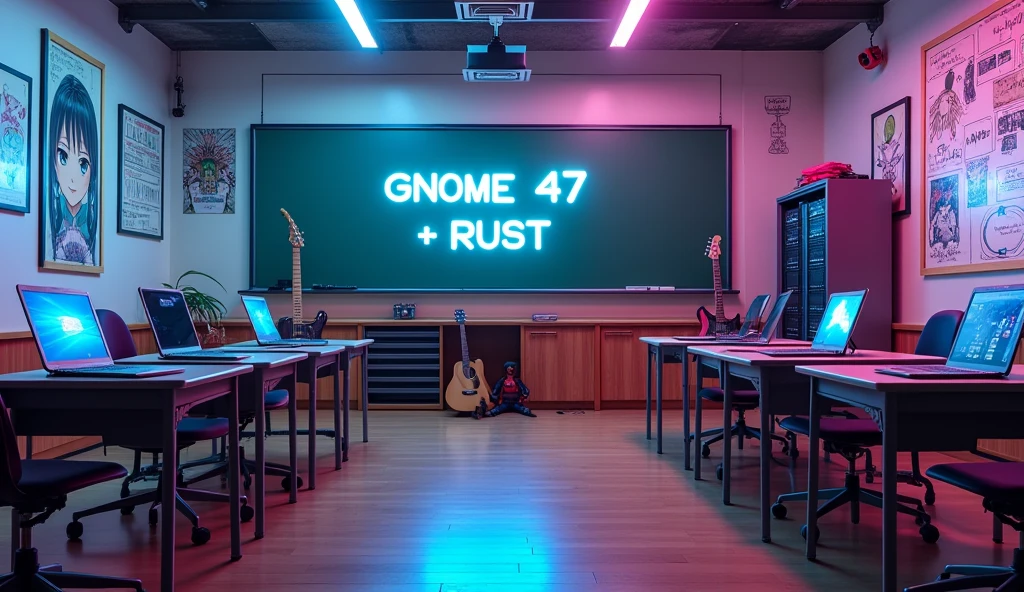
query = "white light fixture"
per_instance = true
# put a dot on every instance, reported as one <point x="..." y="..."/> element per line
<point x="634" y="11"/>
<point x="356" y="22"/>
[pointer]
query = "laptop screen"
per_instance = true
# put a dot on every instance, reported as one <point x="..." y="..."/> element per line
<point x="990" y="331"/>
<point x="776" y="314"/>
<point x="838" y="321"/>
<point x="65" y="326"/>
<point x="262" y="321"/>
<point x="754" y="313"/>
<point x="168" y="315"/>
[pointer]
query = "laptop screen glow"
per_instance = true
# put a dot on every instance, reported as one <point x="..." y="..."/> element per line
<point x="838" y="320"/>
<point x="991" y="328"/>
<point x="171" y="321"/>
<point x="262" y="321"/>
<point x="65" y="326"/>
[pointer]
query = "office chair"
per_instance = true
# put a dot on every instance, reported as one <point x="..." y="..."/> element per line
<point x="1001" y="485"/>
<point x="190" y="431"/>
<point x="853" y="438"/>
<point x="35" y="489"/>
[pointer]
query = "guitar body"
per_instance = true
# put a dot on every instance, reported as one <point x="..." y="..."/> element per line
<point x="464" y="394"/>
<point x="707" y="323"/>
<point x="312" y="330"/>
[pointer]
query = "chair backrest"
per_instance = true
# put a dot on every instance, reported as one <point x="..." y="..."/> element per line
<point x="938" y="334"/>
<point x="118" y="336"/>
<point x="10" y="460"/>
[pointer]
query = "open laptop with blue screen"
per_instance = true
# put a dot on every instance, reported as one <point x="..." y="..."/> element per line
<point x="834" y="330"/>
<point x="173" y="328"/>
<point x="986" y="341"/>
<point x="266" y="329"/>
<point x="750" y="322"/>
<point x="68" y="336"/>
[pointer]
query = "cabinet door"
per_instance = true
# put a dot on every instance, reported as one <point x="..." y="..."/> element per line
<point x="624" y="364"/>
<point x="558" y="363"/>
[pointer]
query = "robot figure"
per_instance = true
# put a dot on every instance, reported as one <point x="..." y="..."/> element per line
<point x="508" y="394"/>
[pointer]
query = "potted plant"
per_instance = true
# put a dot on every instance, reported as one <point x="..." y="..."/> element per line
<point x="203" y="307"/>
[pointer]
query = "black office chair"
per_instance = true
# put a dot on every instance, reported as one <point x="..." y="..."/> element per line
<point x="35" y="489"/>
<point x="190" y="431"/>
<point x="1001" y="486"/>
<point x="853" y="438"/>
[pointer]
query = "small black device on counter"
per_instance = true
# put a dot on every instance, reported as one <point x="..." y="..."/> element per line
<point x="404" y="311"/>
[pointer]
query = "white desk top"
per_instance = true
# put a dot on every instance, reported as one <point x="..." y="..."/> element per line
<point x="865" y="376"/>
<point x="746" y="356"/>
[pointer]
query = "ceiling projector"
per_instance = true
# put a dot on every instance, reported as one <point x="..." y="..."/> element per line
<point x="496" y="62"/>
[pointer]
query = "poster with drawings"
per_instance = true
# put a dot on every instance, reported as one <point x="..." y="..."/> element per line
<point x="973" y="126"/>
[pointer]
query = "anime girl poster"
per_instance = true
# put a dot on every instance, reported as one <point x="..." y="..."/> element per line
<point x="71" y="188"/>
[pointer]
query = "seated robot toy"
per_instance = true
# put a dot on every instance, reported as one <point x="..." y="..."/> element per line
<point x="508" y="395"/>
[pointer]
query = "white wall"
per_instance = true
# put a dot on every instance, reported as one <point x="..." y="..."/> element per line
<point x="226" y="90"/>
<point x="853" y="94"/>
<point x="138" y="74"/>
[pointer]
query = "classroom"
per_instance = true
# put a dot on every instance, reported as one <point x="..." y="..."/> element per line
<point x="512" y="296"/>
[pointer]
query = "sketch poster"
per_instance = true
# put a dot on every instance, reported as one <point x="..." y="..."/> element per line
<point x="209" y="168"/>
<point x="890" y="137"/>
<point x="140" y="187"/>
<point x="15" y="126"/>
<point x="71" y="188"/>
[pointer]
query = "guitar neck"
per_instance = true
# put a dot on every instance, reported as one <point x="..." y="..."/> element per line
<point x="719" y="304"/>
<point x="296" y="286"/>
<point x="465" y="346"/>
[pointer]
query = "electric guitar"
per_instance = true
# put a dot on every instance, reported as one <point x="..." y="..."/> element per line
<point x="468" y="384"/>
<point x="716" y="324"/>
<point x="293" y="327"/>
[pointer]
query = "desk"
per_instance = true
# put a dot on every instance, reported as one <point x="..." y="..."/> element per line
<point x="126" y="410"/>
<point x="269" y="369"/>
<point x="783" y="392"/>
<point x="924" y="415"/>
<point x="355" y="348"/>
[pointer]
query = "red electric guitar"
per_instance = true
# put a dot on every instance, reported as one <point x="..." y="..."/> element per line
<point x="716" y="324"/>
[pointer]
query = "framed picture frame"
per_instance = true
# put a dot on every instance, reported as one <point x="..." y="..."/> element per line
<point x="140" y="175"/>
<point x="71" y="158"/>
<point x="890" y="150"/>
<point x="15" y="139"/>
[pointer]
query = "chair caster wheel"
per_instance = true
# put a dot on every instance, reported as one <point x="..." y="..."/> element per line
<point x="869" y="478"/>
<point x="803" y="533"/>
<point x="719" y="472"/>
<point x="705" y="451"/>
<point x="200" y="535"/>
<point x="127" y="511"/>
<point x="246" y="513"/>
<point x="286" y="483"/>
<point x="929" y="533"/>
<point x="75" y="530"/>
<point x="929" y="497"/>
<point x="779" y="510"/>
<point x="154" y="516"/>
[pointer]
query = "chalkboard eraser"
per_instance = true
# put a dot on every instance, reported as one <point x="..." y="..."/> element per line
<point x="332" y="287"/>
<point x="667" y="288"/>
<point x="642" y="288"/>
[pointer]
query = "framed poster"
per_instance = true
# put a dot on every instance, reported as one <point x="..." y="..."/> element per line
<point x="15" y="142"/>
<point x="972" y="137"/>
<point x="209" y="171"/>
<point x="140" y="175"/>
<point x="71" y="162"/>
<point x="890" y="146"/>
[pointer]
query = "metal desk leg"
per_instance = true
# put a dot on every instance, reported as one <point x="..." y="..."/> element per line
<point x="345" y="398"/>
<point x="649" y="354"/>
<point x="366" y="398"/>
<point x="338" y="442"/>
<point x="889" y="501"/>
<point x="661" y="368"/>
<point x="723" y="374"/>
<point x="293" y="444"/>
<point x="234" y="489"/>
<point x="813" y="444"/>
<point x="261" y="429"/>
<point x="686" y="410"/>
<point x="766" y="460"/>
<point x="168" y="505"/>
<point x="698" y="421"/>
<point x="312" y="424"/>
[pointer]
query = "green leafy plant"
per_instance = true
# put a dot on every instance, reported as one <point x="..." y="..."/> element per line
<point x="204" y="307"/>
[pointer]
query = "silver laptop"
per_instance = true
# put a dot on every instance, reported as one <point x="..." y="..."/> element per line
<point x="750" y="322"/>
<point x="834" y="330"/>
<point x="266" y="329"/>
<point x="768" y="331"/>
<point x="174" y="330"/>
<point x="986" y="341"/>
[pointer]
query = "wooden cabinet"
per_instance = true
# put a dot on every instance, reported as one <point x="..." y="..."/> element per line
<point x="558" y="363"/>
<point x="624" y="365"/>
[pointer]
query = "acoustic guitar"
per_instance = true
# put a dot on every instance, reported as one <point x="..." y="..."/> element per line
<point x="294" y="327"/>
<point x="468" y="384"/>
<point x="716" y="324"/>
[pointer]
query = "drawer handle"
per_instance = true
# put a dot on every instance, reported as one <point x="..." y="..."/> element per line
<point x="618" y="333"/>
<point x="543" y="333"/>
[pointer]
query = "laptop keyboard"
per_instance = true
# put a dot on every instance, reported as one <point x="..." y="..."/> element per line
<point x="795" y="351"/>
<point x="111" y="369"/>
<point x="936" y="369"/>
<point x="297" y="342"/>
<point x="203" y="354"/>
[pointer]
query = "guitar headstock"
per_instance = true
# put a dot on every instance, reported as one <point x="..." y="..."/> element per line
<point x="460" y="316"/>
<point x="294" y="234"/>
<point x="713" y="250"/>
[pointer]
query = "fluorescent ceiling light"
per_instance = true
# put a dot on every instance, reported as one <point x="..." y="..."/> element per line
<point x="634" y="11"/>
<point x="356" y="22"/>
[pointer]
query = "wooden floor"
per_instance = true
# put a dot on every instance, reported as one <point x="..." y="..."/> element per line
<point x="512" y="504"/>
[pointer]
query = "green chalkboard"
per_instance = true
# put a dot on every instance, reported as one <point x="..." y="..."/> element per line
<point x="491" y="207"/>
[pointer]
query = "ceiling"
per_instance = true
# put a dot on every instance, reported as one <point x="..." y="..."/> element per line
<point x="557" y="25"/>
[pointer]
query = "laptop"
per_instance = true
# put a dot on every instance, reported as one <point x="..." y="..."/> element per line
<point x="172" y="325"/>
<point x="768" y="331"/>
<point x="750" y="322"/>
<point x="834" y="330"/>
<point x="69" y="339"/>
<point x="986" y="341"/>
<point x="266" y="329"/>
